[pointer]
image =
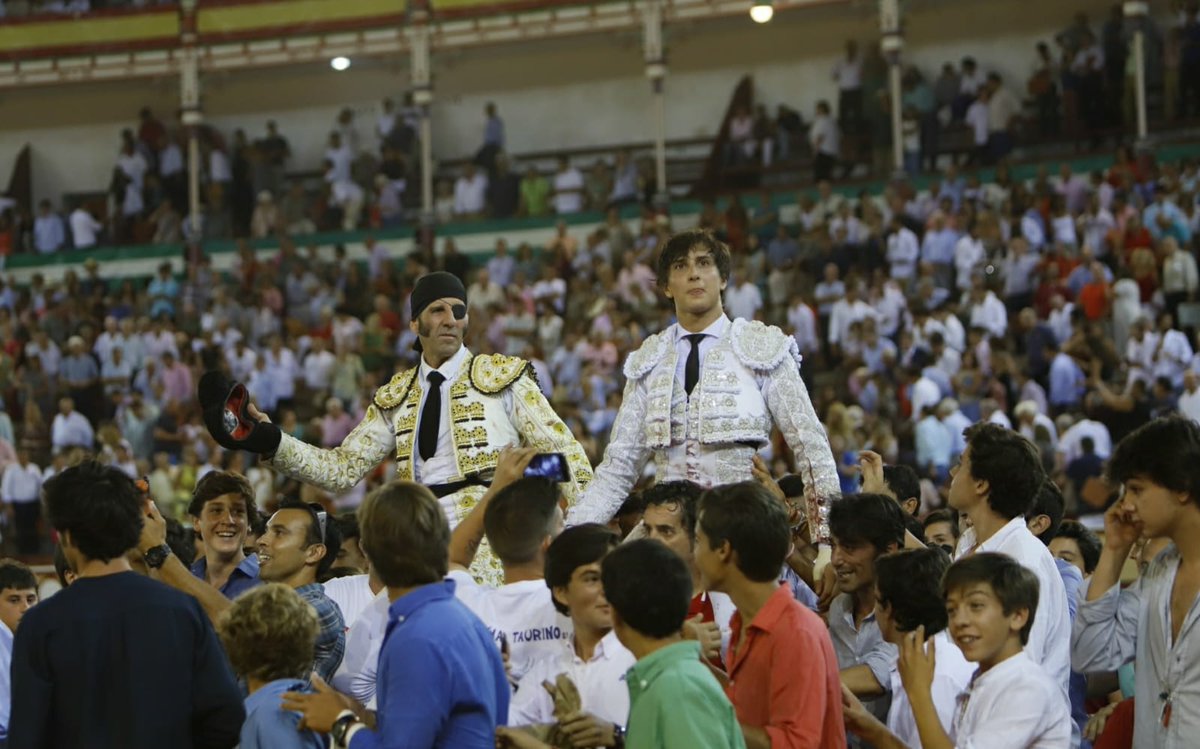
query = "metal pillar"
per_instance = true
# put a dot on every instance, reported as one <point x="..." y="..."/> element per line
<point x="892" y="44"/>
<point x="189" y="104"/>
<point x="1136" y="11"/>
<point x="422" y="88"/>
<point x="656" y="73"/>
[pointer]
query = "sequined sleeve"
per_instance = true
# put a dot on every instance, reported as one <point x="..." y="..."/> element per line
<point x="787" y="398"/>
<point x="541" y="427"/>
<point x="339" y="469"/>
<point x="624" y="459"/>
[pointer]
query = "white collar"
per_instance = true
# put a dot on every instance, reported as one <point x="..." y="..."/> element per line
<point x="1003" y="534"/>
<point x="449" y="368"/>
<point x="716" y="329"/>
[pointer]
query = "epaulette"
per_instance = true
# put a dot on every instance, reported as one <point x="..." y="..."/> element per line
<point x="761" y="347"/>
<point x="495" y="373"/>
<point x="394" y="393"/>
<point x="649" y="354"/>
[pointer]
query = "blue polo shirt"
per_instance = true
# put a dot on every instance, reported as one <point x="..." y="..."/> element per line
<point x="243" y="578"/>
<point x="441" y="681"/>
<point x="269" y="726"/>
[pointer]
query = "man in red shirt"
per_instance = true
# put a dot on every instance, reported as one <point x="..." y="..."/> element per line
<point x="783" y="674"/>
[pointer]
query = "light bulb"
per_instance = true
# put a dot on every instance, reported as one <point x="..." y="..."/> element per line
<point x="339" y="63"/>
<point x="762" y="12"/>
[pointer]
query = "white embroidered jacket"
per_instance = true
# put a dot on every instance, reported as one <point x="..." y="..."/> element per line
<point x="750" y="382"/>
<point x="494" y="402"/>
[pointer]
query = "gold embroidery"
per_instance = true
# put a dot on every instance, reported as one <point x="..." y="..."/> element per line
<point x="479" y="462"/>
<point x="406" y="423"/>
<point x="460" y="412"/>
<point x="465" y="438"/>
<point x="392" y="394"/>
<point x="494" y="373"/>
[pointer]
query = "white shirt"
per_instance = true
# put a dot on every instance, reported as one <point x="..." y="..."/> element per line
<point x="1039" y="420"/>
<point x="844" y="314"/>
<point x="218" y="167"/>
<point x="1174" y="356"/>
<point x="977" y="119"/>
<point x="1050" y="638"/>
<point x="601" y="684"/>
<point x="241" y="365"/>
<point x="356" y="675"/>
<point x="470" y="194"/>
<point x="903" y="249"/>
<point x="521" y="613"/>
<point x="1189" y="404"/>
<point x="803" y="324"/>
<point x="824" y="136"/>
<point x="1069" y="443"/>
<point x="352" y="594"/>
<point x="568" y="191"/>
<point x="341" y="159"/>
<point x="443" y="465"/>
<point x="848" y="73"/>
<point x="683" y="347"/>
<point x="21" y="484"/>
<point x="951" y="676"/>
<point x="83" y="228"/>
<point x="1013" y="704"/>
<point x="318" y="369"/>
<point x="925" y="393"/>
<point x="968" y="254"/>
<point x="282" y="371"/>
<point x="1002" y="107"/>
<point x="743" y="301"/>
<point x="72" y="430"/>
<point x="990" y="314"/>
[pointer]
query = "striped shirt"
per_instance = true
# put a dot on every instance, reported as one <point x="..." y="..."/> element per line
<point x="331" y="639"/>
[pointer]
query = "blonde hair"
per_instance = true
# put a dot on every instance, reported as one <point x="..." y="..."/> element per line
<point x="270" y="633"/>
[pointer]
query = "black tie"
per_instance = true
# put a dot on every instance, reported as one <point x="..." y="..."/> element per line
<point x="431" y="416"/>
<point x="691" y="371"/>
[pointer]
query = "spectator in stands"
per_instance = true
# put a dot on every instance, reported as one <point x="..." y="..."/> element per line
<point x="1076" y="545"/>
<point x="470" y="194"/>
<point x="941" y="529"/>
<point x="49" y="234"/>
<point x="825" y="139"/>
<point x="535" y="193"/>
<point x="84" y="227"/>
<point x="1003" y="111"/>
<point x="674" y="702"/>
<point x="493" y="138"/>
<point x="18" y="594"/>
<point x="21" y="491"/>
<point x="441" y="680"/>
<point x="503" y="190"/>
<point x="568" y="188"/>
<point x="847" y="74"/>
<point x="268" y="634"/>
<point x="175" y="686"/>
<point x="70" y="428"/>
<point x="742" y="540"/>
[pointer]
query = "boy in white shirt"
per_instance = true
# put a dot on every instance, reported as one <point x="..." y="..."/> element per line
<point x="520" y="521"/>
<point x="908" y="596"/>
<point x="991" y="601"/>
<point x="594" y="660"/>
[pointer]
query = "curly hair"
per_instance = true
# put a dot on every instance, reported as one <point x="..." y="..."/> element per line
<point x="679" y="246"/>
<point x="270" y="633"/>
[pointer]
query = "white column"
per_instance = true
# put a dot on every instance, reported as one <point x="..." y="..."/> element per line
<point x="1136" y="11"/>
<point x="418" y="37"/>
<point x="892" y="44"/>
<point x="656" y="73"/>
<point x="192" y="117"/>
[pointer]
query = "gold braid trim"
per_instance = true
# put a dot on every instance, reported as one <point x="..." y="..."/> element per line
<point x="393" y="393"/>
<point x="494" y="373"/>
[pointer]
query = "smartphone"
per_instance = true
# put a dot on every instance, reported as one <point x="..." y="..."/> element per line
<point x="551" y="466"/>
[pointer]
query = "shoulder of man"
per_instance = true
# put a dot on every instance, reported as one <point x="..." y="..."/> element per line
<point x="761" y="347"/>
<point x="650" y="353"/>
<point x="394" y="393"/>
<point x="494" y="373"/>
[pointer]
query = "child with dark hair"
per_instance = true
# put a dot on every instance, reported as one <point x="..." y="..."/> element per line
<point x="864" y="527"/>
<point x="909" y="596"/>
<point x="18" y="594"/>
<point x="674" y="702"/>
<point x="594" y="660"/>
<point x="783" y="674"/>
<point x="1076" y="545"/>
<point x="991" y="602"/>
<point x="1152" y="621"/>
<point x="995" y="484"/>
<point x="941" y="529"/>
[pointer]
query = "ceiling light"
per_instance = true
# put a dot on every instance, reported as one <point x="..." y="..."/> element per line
<point x="762" y="11"/>
<point x="339" y="63"/>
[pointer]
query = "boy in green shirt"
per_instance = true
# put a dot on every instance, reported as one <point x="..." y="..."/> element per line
<point x="674" y="701"/>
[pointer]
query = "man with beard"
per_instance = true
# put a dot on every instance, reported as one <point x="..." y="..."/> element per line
<point x="445" y="420"/>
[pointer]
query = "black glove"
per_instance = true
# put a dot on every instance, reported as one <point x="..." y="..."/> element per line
<point x="225" y="406"/>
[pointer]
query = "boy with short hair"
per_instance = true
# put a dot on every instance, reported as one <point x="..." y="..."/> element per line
<point x="1152" y="622"/>
<point x="1075" y="544"/>
<point x="908" y="596"/>
<point x="594" y="660"/>
<point x="18" y="593"/>
<point x="269" y="634"/>
<point x="941" y="529"/>
<point x="674" y="701"/>
<point x="991" y="601"/>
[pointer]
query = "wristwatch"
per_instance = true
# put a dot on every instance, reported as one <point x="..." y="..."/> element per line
<point x="618" y="736"/>
<point x="341" y="732"/>
<point x="156" y="556"/>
